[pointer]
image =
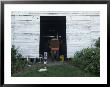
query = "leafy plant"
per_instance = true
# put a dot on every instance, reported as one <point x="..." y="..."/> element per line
<point x="97" y="43"/>
<point x="88" y="59"/>
<point x="17" y="61"/>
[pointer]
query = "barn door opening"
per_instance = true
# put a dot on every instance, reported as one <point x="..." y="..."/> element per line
<point x="53" y="36"/>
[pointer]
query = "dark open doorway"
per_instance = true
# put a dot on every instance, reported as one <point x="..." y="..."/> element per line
<point x="52" y="27"/>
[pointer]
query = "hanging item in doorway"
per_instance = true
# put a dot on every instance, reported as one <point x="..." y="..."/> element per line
<point x="54" y="44"/>
<point x="45" y="55"/>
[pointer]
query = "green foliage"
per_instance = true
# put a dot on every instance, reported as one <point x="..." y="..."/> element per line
<point x="97" y="43"/>
<point x="17" y="61"/>
<point x="63" y="70"/>
<point x="88" y="59"/>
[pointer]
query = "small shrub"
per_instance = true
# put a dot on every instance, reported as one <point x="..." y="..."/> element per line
<point x="17" y="61"/>
<point x="97" y="43"/>
<point x="88" y="59"/>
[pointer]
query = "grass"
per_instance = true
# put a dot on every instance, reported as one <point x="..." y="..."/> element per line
<point x="63" y="70"/>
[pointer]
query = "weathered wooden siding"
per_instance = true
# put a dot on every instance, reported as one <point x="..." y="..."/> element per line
<point x="82" y="29"/>
<point x="26" y="34"/>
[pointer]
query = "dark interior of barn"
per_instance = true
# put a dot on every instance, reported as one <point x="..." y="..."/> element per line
<point x="51" y="28"/>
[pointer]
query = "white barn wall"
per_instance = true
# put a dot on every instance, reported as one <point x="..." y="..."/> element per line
<point x="26" y="34"/>
<point x="82" y="29"/>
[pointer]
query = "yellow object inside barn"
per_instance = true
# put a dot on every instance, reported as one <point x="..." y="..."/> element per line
<point x="62" y="58"/>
